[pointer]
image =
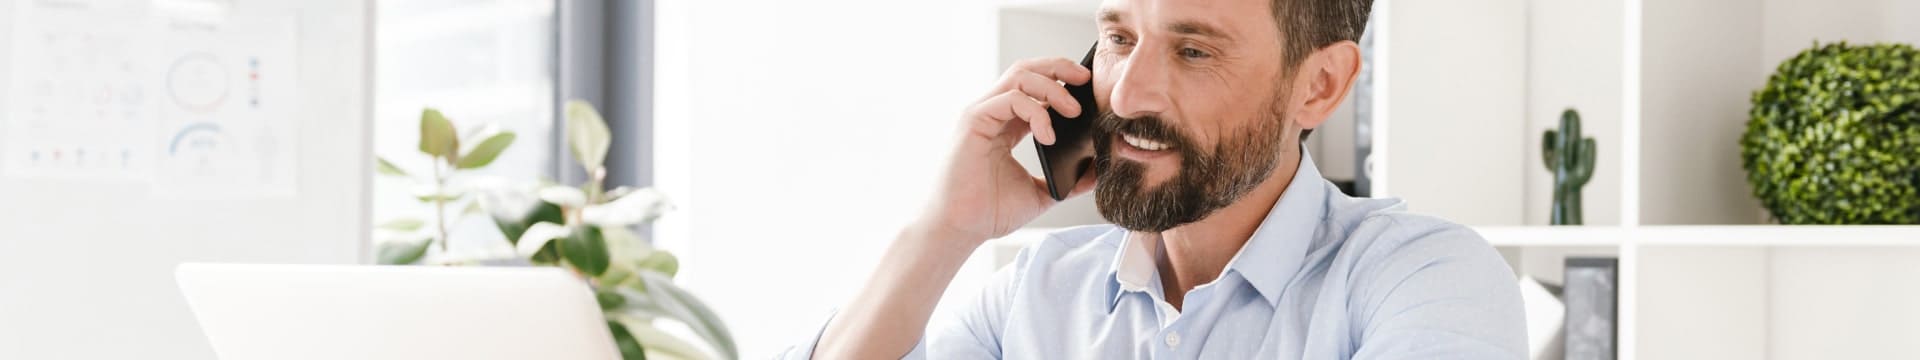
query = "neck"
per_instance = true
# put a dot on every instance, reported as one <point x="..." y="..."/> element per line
<point x="1196" y="253"/>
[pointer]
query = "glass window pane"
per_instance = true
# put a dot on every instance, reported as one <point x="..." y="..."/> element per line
<point x="480" y="62"/>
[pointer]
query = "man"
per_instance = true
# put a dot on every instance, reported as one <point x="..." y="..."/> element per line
<point x="1226" y="242"/>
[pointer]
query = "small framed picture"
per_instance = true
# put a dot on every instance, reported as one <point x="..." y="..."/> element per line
<point x="1592" y="294"/>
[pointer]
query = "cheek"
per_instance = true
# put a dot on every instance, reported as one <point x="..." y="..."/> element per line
<point x="1209" y="118"/>
<point x="1105" y="74"/>
<point x="1214" y="108"/>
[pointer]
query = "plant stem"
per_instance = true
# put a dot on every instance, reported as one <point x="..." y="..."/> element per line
<point x="440" y="205"/>
<point x="596" y="185"/>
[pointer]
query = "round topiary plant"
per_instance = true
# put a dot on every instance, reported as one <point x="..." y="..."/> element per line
<point x="1835" y="137"/>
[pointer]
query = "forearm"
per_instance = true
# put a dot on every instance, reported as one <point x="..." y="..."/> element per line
<point x="889" y="315"/>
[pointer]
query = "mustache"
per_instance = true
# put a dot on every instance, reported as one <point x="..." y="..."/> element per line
<point x="1149" y="127"/>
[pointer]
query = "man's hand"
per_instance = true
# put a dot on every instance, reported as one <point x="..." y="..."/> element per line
<point x="985" y="195"/>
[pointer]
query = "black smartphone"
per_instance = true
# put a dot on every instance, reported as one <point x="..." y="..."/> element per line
<point x="1072" y="151"/>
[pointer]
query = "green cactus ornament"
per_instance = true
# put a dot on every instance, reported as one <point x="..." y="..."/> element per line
<point x="1570" y="157"/>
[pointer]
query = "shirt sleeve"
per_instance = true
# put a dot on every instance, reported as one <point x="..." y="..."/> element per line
<point x="1436" y="290"/>
<point x="970" y="330"/>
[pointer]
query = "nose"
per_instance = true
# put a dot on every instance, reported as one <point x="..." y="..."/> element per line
<point x="1142" y="86"/>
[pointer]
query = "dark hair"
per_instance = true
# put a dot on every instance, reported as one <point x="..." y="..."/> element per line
<point x="1308" y="25"/>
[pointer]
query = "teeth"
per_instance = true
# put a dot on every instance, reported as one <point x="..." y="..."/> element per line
<point x="1143" y="144"/>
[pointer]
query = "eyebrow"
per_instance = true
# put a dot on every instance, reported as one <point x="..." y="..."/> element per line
<point x="1189" y="27"/>
<point x="1183" y="27"/>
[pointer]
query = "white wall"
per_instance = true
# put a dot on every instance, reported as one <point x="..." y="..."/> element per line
<point x="1456" y="94"/>
<point x="799" y="137"/>
<point x="1699" y="71"/>
<point x="86" y="263"/>
<point x="1793" y="25"/>
<point x="1843" y="303"/>
<point x="1702" y="303"/>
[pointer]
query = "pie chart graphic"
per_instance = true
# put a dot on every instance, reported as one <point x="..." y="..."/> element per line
<point x="198" y="83"/>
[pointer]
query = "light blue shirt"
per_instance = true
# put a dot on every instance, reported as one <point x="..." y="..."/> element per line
<point x="1325" y="276"/>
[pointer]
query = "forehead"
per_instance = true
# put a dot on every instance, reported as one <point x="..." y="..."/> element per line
<point x="1234" y="18"/>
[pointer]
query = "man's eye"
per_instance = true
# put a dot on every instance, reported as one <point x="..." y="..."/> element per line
<point x="1116" y="39"/>
<point x="1192" y="53"/>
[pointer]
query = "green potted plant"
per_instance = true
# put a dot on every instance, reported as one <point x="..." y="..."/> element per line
<point x="586" y="229"/>
<point x="1834" y="136"/>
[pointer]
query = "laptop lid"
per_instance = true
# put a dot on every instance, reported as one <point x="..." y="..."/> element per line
<point x="394" y="312"/>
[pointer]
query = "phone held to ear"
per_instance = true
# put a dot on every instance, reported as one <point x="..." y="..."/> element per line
<point x="1072" y="151"/>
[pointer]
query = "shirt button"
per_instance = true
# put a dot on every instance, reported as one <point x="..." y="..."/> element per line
<point x="1173" y="339"/>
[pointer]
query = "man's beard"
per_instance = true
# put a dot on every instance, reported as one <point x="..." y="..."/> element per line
<point x="1206" y="182"/>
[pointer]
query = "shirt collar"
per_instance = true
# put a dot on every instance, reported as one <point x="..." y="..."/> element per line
<point x="1270" y="258"/>
<point x="1133" y="268"/>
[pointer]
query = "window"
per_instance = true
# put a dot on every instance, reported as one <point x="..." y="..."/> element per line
<point x="481" y="62"/>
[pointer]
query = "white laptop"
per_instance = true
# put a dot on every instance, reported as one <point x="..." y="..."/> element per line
<point x="394" y="312"/>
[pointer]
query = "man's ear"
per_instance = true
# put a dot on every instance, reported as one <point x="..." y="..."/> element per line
<point x="1322" y="82"/>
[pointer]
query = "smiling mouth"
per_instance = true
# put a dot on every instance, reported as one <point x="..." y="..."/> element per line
<point x="1143" y="144"/>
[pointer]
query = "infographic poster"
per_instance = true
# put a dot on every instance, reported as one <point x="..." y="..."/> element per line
<point x="79" y="103"/>
<point x="226" y="129"/>
<point x="191" y="107"/>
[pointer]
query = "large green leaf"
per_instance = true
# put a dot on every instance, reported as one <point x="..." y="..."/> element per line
<point x="439" y="197"/>
<point x="387" y="168"/>
<point x="587" y="134"/>
<point x="625" y="245"/>
<point x="630" y="208"/>
<point x="537" y="236"/>
<point x="542" y="212"/>
<point x="403" y="224"/>
<point x="609" y="299"/>
<point x="566" y="196"/>
<point x="660" y="342"/>
<point x="618" y="275"/>
<point x="630" y="349"/>
<point x="548" y="255"/>
<point x="675" y="302"/>
<point x="402" y="252"/>
<point x="473" y="208"/>
<point x="483" y="154"/>
<point x="586" y="249"/>
<point x="662" y="262"/>
<point x="437" y="135"/>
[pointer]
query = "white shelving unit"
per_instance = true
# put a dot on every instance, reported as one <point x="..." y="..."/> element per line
<point x="1750" y="291"/>
<point x="1466" y="87"/>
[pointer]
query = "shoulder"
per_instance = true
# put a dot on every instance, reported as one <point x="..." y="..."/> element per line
<point x="1413" y="279"/>
<point x="1069" y="258"/>
<point x="1373" y="232"/>
<point x="1072" y="246"/>
<point x="1392" y="254"/>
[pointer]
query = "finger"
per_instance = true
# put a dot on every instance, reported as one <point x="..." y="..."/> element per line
<point x="1037" y="119"/>
<point x="1057" y="68"/>
<point x="1048" y="92"/>
<point x="992" y="115"/>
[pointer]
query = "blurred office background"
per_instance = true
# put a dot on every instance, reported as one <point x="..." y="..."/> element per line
<point x="795" y="138"/>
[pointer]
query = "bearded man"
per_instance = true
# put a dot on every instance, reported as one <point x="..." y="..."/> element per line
<point x="1226" y="242"/>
